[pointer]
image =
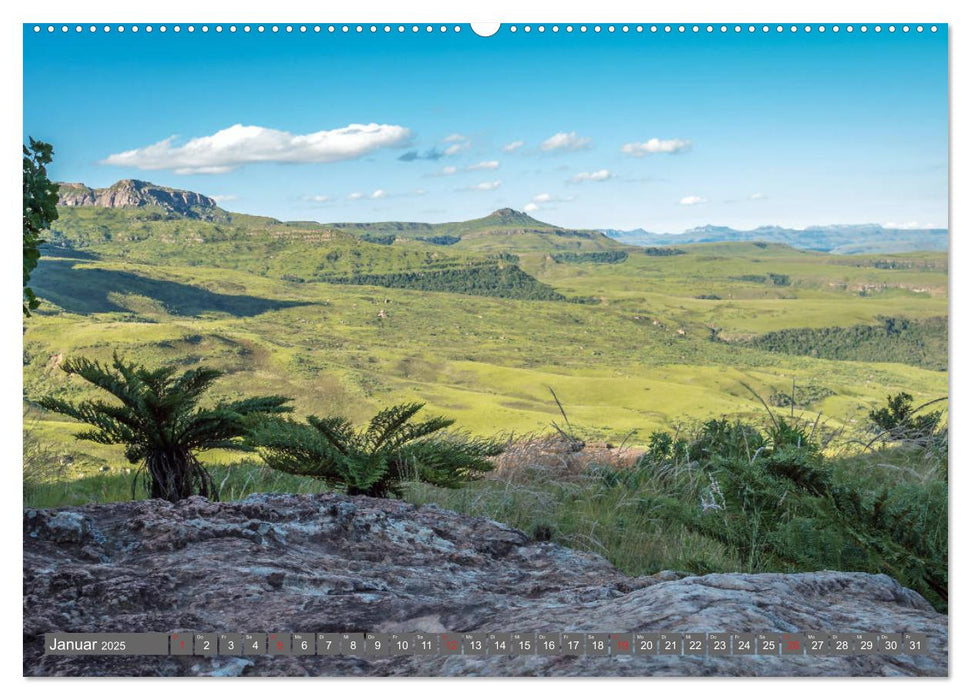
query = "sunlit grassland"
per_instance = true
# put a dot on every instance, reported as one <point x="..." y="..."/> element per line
<point x="663" y="348"/>
<point x="641" y="359"/>
<point x="823" y="290"/>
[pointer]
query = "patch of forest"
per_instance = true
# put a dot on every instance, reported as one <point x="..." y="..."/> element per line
<point x="772" y="278"/>
<point x="504" y="281"/>
<point x="662" y="252"/>
<point x="601" y="256"/>
<point x="439" y="240"/>
<point x="922" y="343"/>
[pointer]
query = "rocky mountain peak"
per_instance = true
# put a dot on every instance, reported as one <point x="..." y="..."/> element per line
<point x="132" y="193"/>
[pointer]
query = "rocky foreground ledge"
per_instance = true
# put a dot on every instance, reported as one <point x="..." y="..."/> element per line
<point x="332" y="563"/>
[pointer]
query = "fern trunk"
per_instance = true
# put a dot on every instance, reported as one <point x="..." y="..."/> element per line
<point x="175" y="474"/>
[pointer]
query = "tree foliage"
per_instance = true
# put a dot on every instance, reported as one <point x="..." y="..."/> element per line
<point x="899" y="420"/>
<point x="773" y="278"/>
<point x="40" y="209"/>
<point x="659" y="252"/>
<point x="439" y="240"/>
<point x="902" y="424"/>
<point x="484" y="279"/>
<point x="663" y="252"/>
<point x="156" y="417"/>
<point x="376" y="459"/>
<point x="379" y="239"/>
<point x="599" y="256"/>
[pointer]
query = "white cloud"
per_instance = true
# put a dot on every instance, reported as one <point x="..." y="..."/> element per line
<point x="758" y="195"/>
<point x="238" y="145"/>
<point x="513" y="146"/>
<point x="223" y="197"/>
<point x="652" y="146"/>
<point x="486" y="186"/>
<point x="692" y="199"/>
<point x="376" y="194"/>
<point x="453" y="138"/>
<point x="544" y="198"/>
<point x="456" y="148"/>
<point x="320" y="198"/>
<point x="597" y="176"/>
<point x="484" y="165"/>
<point x="565" y="141"/>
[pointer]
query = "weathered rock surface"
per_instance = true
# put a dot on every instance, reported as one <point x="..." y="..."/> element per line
<point x="135" y="193"/>
<point x="332" y="563"/>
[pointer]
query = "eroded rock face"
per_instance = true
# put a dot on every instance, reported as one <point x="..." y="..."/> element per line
<point x="134" y="193"/>
<point x="332" y="563"/>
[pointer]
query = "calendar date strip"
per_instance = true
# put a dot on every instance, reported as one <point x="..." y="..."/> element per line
<point x="383" y="645"/>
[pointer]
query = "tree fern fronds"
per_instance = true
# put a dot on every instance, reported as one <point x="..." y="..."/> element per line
<point x="378" y="458"/>
<point x="158" y="421"/>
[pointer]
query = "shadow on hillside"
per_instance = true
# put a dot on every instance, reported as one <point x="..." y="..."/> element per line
<point x="54" y="251"/>
<point x="85" y="290"/>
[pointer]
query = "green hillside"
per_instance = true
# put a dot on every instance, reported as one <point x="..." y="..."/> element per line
<point x="347" y="326"/>
<point x="291" y="251"/>
<point x="505" y="230"/>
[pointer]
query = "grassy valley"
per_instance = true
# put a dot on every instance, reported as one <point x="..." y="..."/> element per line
<point x="482" y="321"/>
<point x="480" y="329"/>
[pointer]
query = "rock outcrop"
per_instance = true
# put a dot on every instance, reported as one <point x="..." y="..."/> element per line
<point x="136" y="193"/>
<point x="332" y="563"/>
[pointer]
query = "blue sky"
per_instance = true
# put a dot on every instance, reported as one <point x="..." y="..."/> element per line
<point x="653" y="130"/>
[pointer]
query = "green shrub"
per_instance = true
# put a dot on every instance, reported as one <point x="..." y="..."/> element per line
<point x="773" y="499"/>
<point x="375" y="460"/>
<point x="783" y="434"/>
<point x="899" y="423"/>
<point x="803" y="396"/>
<point x="660" y="445"/>
<point x="898" y="420"/>
<point x="726" y="439"/>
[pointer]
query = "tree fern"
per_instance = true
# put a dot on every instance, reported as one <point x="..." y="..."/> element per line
<point x="375" y="460"/>
<point x="156" y="418"/>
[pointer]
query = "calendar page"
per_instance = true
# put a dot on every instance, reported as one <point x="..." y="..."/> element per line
<point x="517" y="349"/>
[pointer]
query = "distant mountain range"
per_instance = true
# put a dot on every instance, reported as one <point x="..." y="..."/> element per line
<point x="507" y="229"/>
<point x="504" y="230"/>
<point x="837" y="239"/>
